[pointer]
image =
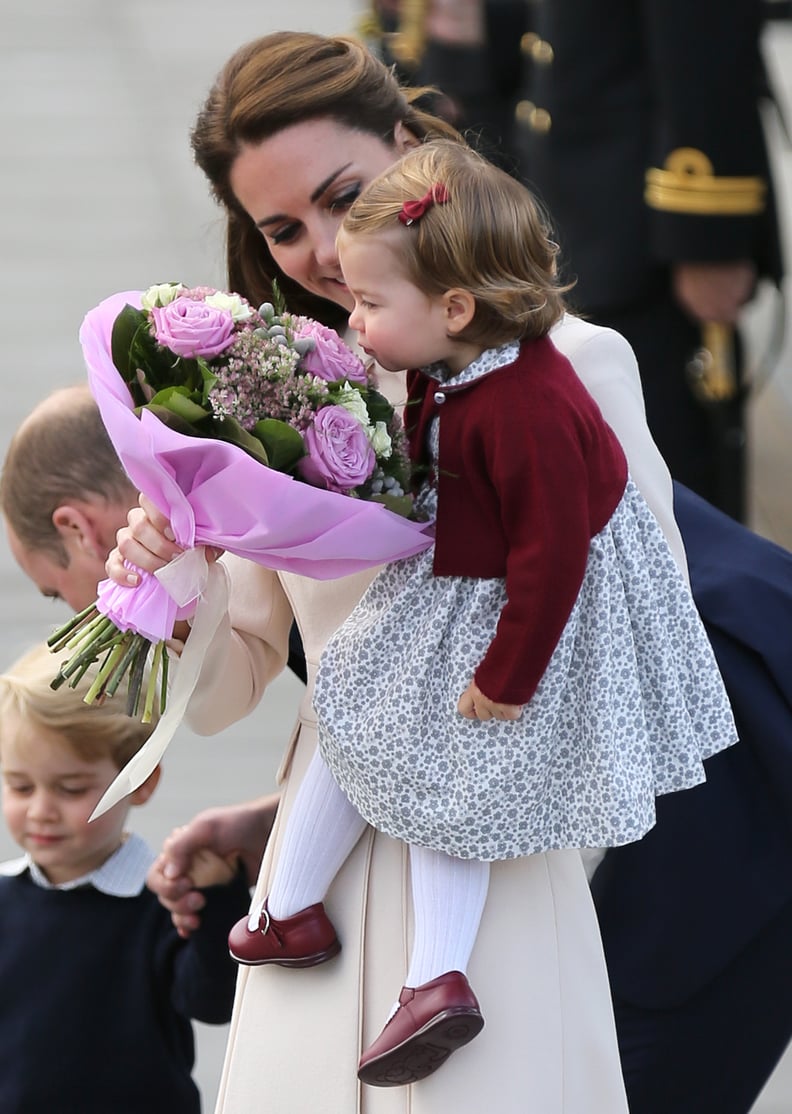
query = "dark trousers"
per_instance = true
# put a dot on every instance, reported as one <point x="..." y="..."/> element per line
<point x="703" y="445"/>
<point x="706" y="1057"/>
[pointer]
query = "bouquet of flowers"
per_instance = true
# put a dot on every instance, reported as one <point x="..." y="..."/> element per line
<point x="254" y="431"/>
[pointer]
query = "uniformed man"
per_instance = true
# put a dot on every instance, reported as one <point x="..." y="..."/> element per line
<point x="639" y="125"/>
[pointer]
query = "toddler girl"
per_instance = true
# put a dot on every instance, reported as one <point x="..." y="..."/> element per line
<point x="540" y="676"/>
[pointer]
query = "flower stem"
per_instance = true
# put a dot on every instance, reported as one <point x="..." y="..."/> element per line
<point x="58" y="637"/>
<point x="136" y="675"/>
<point x="88" y="654"/>
<point x="164" y="678"/>
<point x="151" y="687"/>
<point x="131" y="647"/>
<point x="111" y="662"/>
<point x="90" y="632"/>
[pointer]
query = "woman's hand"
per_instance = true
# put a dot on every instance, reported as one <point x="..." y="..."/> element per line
<point x="146" y="541"/>
<point x="235" y="833"/>
<point x="473" y="704"/>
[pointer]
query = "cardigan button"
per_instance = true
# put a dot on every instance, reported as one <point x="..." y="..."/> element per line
<point x="439" y="397"/>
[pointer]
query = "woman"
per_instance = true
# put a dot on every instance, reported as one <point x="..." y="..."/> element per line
<point x="294" y="127"/>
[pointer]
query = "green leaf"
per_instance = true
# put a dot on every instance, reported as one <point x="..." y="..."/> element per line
<point x="171" y="419"/>
<point x="208" y="379"/>
<point x="228" y="429"/>
<point x="181" y="402"/>
<point x="380" y="410"/>
<point x="399" y="504"/>
<point x="278" y="300"/>
<point x="125" y="349"/>
<point x="125" y="326"/>
<point x="283" y="444"/>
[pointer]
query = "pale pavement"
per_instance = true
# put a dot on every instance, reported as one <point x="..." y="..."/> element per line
<point x="98" y="194"/>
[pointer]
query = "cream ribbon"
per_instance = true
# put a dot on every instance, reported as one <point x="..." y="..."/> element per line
<point x="212" y="583"/>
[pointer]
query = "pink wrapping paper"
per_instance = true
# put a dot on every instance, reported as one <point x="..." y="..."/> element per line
<point x="215" y="494"/>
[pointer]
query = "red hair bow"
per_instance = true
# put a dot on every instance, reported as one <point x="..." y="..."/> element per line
<point x="412" y="211"/>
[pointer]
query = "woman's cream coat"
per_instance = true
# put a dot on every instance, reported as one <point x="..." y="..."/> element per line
<point x="549" y="1045"/>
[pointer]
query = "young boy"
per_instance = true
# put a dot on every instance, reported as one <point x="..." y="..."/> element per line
<point x="96" y="987"/>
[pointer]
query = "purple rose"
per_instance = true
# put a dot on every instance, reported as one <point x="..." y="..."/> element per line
<point x="339" y="454"/>
<point x="192" y="328"/>
<point x="330" y="358"/>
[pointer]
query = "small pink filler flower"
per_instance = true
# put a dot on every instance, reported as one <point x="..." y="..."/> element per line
<point x="192" y="328"/>
<point x="340" y="456"/>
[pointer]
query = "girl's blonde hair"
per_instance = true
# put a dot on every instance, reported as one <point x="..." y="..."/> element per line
<point x="491" y="237"/>
<point x="92" y="731"/>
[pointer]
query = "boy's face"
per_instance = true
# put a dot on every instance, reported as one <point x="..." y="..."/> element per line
<point x="48" y="794"/>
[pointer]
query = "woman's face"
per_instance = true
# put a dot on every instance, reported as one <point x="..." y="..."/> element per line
<point x="297" y="185"/>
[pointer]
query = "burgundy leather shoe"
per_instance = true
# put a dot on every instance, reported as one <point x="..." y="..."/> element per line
<point x="432" y="1021"/>
<point x="304" y="940"/>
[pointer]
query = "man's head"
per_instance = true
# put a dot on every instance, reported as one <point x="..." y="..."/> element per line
<point x="64" y="495"/>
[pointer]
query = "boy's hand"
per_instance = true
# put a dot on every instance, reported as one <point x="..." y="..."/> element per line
<point x="473" y="704"/>
<point x="232" y="833"/>
<point x="208" y="869"/>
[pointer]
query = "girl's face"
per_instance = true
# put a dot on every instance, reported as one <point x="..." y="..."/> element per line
<point x="398" y="324"/>
<point x="48" y="794"/>
<point x="297" y="185"/>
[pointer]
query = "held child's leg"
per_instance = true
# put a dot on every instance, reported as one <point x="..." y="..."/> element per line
<point x="448" y="900"/>
<point x="322" y="829"/>
<point x="437" y="1011"/>
<point x="290" y="928"/>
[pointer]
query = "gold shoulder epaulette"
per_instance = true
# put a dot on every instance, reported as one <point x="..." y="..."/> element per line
<point x="407" y="44"/>
<point x="688" y="185"/>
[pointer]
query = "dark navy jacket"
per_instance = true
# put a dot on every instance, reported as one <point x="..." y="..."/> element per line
<point x="677" y="907"/>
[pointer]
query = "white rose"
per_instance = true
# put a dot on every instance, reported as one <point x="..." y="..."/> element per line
<point x="353" y="401"/>
<point x="238" y="309"/>
<point x="161" y="295"/>
<point x="380" y="440"/>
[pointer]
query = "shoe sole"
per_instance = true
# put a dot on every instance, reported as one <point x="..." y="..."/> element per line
<point x="424" y="1052"/>
<point x="302" y="961"/>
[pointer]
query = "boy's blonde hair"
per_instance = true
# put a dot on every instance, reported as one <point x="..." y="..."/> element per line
<point x="92" y="731"/>
<point x="490" y="237"/>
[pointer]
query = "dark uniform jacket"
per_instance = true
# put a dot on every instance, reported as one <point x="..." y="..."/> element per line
<point x="678" y="907"/>
<point x="640" y="127"/>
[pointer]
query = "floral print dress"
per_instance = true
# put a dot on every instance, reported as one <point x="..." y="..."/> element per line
<point x="628" y="708"/>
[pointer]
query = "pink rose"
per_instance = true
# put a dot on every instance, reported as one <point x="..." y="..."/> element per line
<point x="339" y="454"/>
<point x="192" y="328"/>
<point x="330" y="358"/>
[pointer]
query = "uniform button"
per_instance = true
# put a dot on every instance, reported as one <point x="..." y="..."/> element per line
<point x="542" y="52"/>
<point x="540" y="121"/>
<point x="536" y="48"/>
<point x="537" y="119"/>
<point x="523" y="111"/>
<point x="439" y="397"/>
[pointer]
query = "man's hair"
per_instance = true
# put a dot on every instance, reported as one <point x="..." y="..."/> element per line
<point x="59" y="454"/>
<point x="91" y="731"/>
